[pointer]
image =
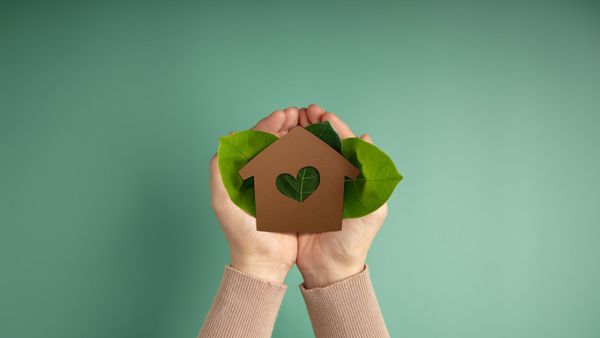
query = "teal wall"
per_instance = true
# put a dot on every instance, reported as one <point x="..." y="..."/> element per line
<point x="110" y="112"/>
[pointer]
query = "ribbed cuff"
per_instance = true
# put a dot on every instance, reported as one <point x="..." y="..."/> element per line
<point x="347" y="308"/>
<point x="243" y="307"/>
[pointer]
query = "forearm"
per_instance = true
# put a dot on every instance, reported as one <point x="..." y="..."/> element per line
<point x="347" y="308"/>
<point x="243" y="307"/>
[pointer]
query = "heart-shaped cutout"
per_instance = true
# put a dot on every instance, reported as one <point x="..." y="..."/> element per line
<point x="301" y="186"/>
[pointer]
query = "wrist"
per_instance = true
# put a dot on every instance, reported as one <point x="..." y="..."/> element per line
<point x="323" y="276"/>
<point x="261" y="268"/>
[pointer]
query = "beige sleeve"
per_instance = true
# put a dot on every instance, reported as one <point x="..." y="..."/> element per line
<point x="347" y="308"/>
<point x="243" y="307"/>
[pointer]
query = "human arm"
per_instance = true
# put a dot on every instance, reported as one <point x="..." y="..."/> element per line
<point x="251" y="290"/>
<point x="337" y="287"/>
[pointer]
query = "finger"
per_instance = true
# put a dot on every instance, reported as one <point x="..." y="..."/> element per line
<point x="342" y="128"/>
<point x="272" y="123"/>
<point x="216" y="184"/>
<point x="366" y="138"/>
<point x="291" y="118"/>
<point x="303" y="118"/>
<point x="314" y="113"/>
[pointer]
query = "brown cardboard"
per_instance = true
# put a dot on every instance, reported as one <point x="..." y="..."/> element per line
<point x="322" y="211"/>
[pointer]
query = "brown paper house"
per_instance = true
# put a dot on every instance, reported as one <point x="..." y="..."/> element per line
<point x="319" y="212"/>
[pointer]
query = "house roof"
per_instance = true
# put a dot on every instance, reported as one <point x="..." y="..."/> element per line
<point x="301" y="146"/>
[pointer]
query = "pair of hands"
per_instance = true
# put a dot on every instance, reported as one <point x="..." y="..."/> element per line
<point x="322" y="258"/>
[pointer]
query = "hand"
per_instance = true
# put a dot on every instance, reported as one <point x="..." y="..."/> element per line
<point x="265" y="255"/>
<point x="325" y="258"/>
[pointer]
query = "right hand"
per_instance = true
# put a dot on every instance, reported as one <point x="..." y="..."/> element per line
<point x="328" y="257"/>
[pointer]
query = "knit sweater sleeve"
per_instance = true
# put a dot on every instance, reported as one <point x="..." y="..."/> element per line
<point x="243" y="307"/>
<point x="347" y="308"/>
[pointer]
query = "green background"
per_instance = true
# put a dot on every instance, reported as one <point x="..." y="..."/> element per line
<point x="110" y="111"/>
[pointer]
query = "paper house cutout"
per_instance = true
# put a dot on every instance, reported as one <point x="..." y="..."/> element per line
<point x="322" y="210"/>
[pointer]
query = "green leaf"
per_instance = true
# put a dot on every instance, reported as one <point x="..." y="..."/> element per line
<point x="234" y="152"/>
<point x="301" y="186"/>
<point x="327" y="134"/>
<point x="377" y="179"/>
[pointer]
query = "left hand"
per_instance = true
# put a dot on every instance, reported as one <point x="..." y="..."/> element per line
<point x="265" y="255"/>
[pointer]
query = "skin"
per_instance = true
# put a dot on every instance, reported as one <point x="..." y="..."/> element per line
<point x="323" y="258"/>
